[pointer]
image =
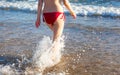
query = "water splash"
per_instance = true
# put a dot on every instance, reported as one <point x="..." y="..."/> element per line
<point x="7" y="70"/>
<point x="47" y="54"/>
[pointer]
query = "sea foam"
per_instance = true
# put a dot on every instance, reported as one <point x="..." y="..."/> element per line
<point x="80" y="9"/>
<point x="47" y="54"/>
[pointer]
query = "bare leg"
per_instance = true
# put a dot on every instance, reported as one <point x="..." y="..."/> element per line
<point x="57" y="32"/>
<point x="58" y="28"/>
<point x="50" y="26"/>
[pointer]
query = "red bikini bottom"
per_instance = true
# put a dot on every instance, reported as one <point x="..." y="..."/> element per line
<point x="51" y="17"/>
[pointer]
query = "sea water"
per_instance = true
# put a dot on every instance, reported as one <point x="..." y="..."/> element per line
<point x="84" y="7"/>
<point x="91" y="45"/>
<point x="47" y="54"/>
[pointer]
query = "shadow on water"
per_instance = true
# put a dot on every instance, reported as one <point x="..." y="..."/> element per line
<point x="14" y="62"/>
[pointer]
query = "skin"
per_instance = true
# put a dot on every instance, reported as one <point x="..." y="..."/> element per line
<point x="54" y="6"/>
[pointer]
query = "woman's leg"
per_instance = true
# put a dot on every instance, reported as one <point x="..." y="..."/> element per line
<point x="57" y="32"/>
<point x="58" y="28"/>
<point x="50" y="26"/>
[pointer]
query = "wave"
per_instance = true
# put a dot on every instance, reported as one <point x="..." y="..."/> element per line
<point x="93" y="10"/>
<point x="19" y="5"/>
<point x="80" y="9"/>
<point x="47" y="54"/>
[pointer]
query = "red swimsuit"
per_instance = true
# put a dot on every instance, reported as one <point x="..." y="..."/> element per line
<point x="51" y="17"/>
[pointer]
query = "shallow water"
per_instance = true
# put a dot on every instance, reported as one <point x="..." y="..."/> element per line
<point x="92" y="45"/>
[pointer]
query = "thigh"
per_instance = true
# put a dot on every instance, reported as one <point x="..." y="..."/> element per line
<point x="58" y="25"/>
<point x="50" y="26"/>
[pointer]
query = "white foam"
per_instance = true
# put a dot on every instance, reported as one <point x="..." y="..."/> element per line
<point x="21" y="5"/>
<point x="47" y="53"/>
<point x="80" y="9"/>
<point x="61" y="73"/>
<point x="7" y="70"/>
<point x="96" y="10"/>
